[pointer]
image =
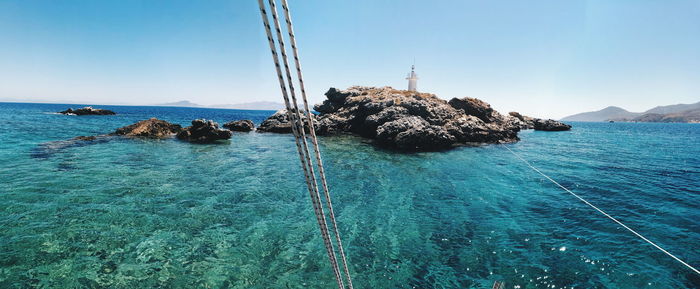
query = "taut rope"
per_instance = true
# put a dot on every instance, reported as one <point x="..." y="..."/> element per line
<point x="602" y="212"/>
<point x="295" y="117"/>
<point x="312" y="131"/>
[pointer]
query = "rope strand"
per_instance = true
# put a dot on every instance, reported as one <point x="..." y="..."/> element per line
<point x="602" y="212"/>
<point x="299" y="135"/>
<point x="314" y="140"/>
<point x="316" y="198"/>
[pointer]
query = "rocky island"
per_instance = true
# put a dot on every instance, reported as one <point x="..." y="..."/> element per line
<point x="412" y="121"/>
<point x="88" y="110"/>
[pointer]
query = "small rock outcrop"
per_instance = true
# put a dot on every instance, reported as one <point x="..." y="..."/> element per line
<point x="527" y="122"/>
<point x="88" y="110"/>
<point x="550" y="125"/>
<point x="150" y="128"/>
<point x="279" y="123"/>
<point x="203" y="131"/>
<point x="240" y="125"/>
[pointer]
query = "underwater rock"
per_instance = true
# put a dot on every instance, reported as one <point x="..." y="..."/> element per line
<point x="88" y="110"/>
<point x="240" y="125"/>
<point x="279" y="122"/>
<point x="550" y="125"/>
<point x="409" y="120"/>
<point x="150" y="128"/>
<point x="47" y="149"/>
<point x="203" y="131"/>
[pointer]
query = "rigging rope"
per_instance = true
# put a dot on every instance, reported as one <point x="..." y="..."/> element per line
<point x="601" y="211"/>
<point x="314" y="140"/>
<point x="295" y="118"/>
<point x="300" y="128"/>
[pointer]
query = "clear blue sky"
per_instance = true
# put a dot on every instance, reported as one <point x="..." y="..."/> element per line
<point x="543" y="58"/>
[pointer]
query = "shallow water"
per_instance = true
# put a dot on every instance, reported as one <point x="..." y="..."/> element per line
<point x="166" y="214"/>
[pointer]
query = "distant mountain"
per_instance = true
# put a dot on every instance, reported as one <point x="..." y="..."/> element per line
<point x="668" y="113"/>
<point x="256" y="105"/>
<point x="610" y="112"/>
<point x="183" y="103"/>
<point x="674" y="108"/>
<point x="690" y="116"/>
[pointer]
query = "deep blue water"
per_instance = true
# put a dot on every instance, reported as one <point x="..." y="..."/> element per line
<point x="133" y="213"/>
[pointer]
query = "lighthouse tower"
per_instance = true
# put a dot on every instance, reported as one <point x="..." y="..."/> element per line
<point x="412" y="79"/>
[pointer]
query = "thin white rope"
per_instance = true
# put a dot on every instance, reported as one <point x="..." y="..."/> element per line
<point x="298" y="131"/>
<point x="602" y="212"/>
<point x="314" y="140"/>
<point x="300" y="127"/>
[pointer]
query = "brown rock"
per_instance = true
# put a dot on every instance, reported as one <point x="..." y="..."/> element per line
<point x="150" y="128"/>
<point x="203" y="131"/>
<point x="240" y="125"/>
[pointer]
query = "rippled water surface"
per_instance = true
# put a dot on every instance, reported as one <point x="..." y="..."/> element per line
<point x="131" y="213"/>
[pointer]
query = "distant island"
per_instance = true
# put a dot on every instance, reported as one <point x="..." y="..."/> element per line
<point x="685" y="113"/>
<point x="182" y="103"/>
<point x="256" y="105"/>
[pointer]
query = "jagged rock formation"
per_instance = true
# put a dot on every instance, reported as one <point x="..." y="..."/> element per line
<point x="240" y="125"/>
<point x="203" y="131"/>
<point x="279" y="123"/>
<point x="412" y="121"/>
<point x="408" y="120"/>
<point x="150" y="128"/>
<point x="88" y="110"/>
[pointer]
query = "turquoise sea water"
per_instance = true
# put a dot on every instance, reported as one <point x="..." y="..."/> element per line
<point x="132" y="213"/>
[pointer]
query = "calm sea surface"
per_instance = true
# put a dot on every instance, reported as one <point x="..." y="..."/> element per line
<point x="132" y="213"/>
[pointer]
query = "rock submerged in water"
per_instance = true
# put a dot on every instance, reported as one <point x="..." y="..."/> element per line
<point x="244" y="125"/>
<point x="408" y="120"/>
<point x="204" y="131"/>
<point x="88" y="110"/>
<point x="150" y="128"/>
<point x="47" y="149"/>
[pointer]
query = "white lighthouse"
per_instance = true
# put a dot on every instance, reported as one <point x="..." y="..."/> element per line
<point x="412" y="79"/>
